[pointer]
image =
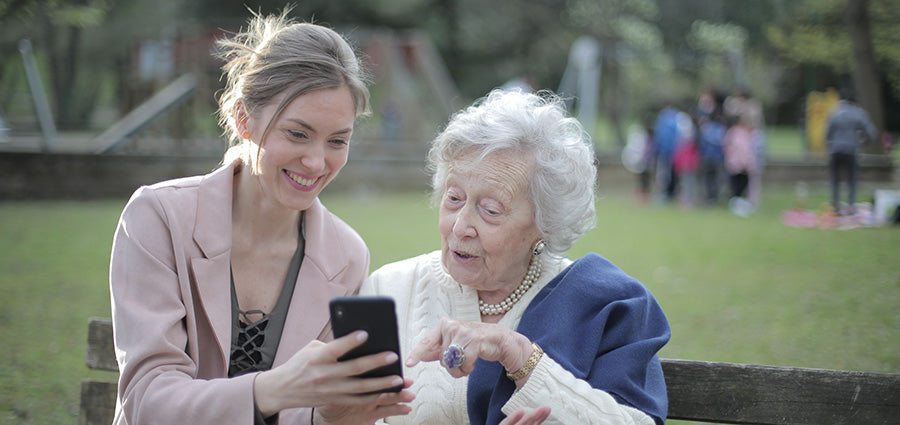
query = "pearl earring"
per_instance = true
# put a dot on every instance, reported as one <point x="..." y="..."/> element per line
<point x="539" y="247"/>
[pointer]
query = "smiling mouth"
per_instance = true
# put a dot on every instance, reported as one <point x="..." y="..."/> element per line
<point x="463" y="254"/>
<point x="300" y="180"/>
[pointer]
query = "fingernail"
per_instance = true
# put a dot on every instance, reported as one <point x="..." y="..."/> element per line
<point x="361" y="336"/>
<point x="391" y="357"/>
<point x="397" y="381"/>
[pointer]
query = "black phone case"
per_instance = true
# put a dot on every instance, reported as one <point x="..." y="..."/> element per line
<point x="376" y="316"/>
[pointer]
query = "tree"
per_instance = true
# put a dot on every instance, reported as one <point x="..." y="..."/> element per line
<point x="855" y="38"/>
<point x="622" y="27"/>
<point x="83" y="48"/>
<point x="60" y="28"/>
<point x="866" y="78"/>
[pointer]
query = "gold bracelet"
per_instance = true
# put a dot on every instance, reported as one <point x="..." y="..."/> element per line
<point x="532" y="361"/>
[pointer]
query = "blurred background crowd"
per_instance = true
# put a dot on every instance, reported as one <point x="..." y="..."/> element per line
<point x="715" y="149"/>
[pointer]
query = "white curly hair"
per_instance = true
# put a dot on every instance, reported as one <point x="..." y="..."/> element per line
<point x="564" y="174"/>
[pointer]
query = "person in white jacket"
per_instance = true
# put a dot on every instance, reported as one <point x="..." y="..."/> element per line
<point x="497" y="326"/>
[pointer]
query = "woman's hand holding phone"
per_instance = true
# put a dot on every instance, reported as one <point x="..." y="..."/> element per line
<point x="314" y="377"/>
<point x="385" y="404"/>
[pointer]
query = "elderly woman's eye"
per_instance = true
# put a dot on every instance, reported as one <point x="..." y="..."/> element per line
<point x="491" y="210"/>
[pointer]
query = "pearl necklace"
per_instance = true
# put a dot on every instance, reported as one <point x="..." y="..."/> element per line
<point x="534" y="272"/>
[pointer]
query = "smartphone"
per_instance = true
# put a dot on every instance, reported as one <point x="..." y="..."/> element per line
<point x="375" y="315"/>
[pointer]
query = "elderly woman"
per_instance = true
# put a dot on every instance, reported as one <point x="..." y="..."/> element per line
<point x="497" y="322"/>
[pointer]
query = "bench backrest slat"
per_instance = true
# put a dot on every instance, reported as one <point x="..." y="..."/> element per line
<point x="737" y="393"/>
<point x="98" y="403"/>
<point x="698" y="391"/>
<point x="101" y="353"/>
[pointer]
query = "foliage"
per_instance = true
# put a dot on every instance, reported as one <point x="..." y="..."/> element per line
<point x="83" y="49"/>
<point x="814" y="32"/>
<point x="58" y="27"/>
<point x="717" y="38"/>
<point x="656" y="48"/>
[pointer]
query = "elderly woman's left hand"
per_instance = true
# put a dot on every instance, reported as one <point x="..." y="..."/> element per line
<point x="488" y="341"/>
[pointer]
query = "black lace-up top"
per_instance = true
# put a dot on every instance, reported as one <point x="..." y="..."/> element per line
<point x="255" y="334"/>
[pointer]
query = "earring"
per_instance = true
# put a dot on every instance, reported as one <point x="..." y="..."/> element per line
<point x="245" y="135"/>
<point x="539" y="247"/>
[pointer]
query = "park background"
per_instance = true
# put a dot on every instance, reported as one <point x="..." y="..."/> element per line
<point x="748" y="290"/>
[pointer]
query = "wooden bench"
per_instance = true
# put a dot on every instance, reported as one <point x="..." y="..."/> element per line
<point x="698" y="391"/>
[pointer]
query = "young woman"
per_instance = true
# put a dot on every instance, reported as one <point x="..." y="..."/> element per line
<point x="220" y="283"/>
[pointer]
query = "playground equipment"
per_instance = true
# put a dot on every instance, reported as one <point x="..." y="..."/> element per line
<point x="38" y="96"/>
<point x="118" y="135"/>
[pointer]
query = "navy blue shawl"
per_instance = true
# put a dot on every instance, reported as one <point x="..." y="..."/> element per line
<point x="596" y="322"/>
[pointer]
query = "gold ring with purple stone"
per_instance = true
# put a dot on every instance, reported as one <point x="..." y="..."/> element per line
<point x="453" y="357"/>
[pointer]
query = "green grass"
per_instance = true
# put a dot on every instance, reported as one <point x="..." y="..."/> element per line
<point x="737" y="290"/>
<point x="54" y="259"/>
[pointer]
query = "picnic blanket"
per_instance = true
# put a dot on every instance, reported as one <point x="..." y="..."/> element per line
<point x="827" y="219"/>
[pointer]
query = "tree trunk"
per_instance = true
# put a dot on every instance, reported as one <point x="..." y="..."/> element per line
<point x="866" y="78"/>
<point x="450" y="10"/>
<point x="611" y="87"/>
<point x="68" y="116"/>
<point x="62" y="49"/>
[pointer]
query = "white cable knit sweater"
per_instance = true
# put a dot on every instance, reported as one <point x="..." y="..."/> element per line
<point x="424" y="293"/>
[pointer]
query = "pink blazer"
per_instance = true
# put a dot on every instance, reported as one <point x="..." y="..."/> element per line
<point x="171" y="301"/>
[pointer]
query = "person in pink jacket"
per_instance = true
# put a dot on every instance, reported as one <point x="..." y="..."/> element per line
<point x="220" y="283"/>
<point x="741" y="163"/>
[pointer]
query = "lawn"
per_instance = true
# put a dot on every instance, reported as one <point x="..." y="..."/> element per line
<point x="734" y="289"/>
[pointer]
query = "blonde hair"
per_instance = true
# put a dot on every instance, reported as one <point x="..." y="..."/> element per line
<point x="276" y="55"/>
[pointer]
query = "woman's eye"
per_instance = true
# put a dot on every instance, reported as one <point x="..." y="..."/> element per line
<point x="297" y="134"/>
<point x="340" y="142"/>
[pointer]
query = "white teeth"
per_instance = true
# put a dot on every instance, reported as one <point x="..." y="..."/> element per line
<point x="301" y="180"/>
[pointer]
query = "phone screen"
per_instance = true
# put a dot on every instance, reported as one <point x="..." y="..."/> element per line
<point x="375" y="315"/>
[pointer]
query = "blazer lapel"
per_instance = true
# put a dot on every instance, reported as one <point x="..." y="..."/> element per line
<point x="211" y="275"/>
<point x="212" y="233"/>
